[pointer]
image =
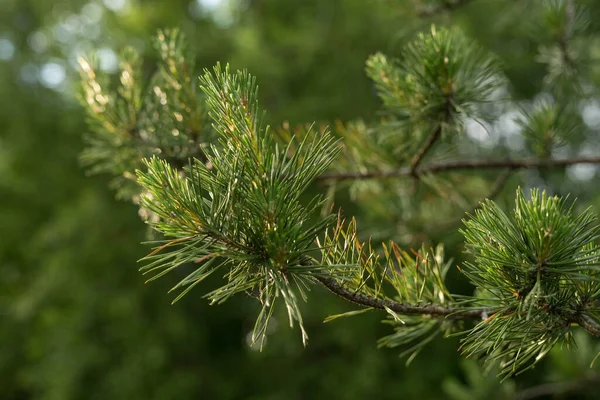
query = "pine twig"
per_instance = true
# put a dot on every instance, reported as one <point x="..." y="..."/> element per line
<point x="499" y="183"/>
<point x="406" y="309"/>
<point x="493" y="193"/>
<point x="418" y="157"/>
<point x="459" y="165"/>
<point x="568" y="31"/>
<point x="587" y="323"/>
<point x="584" y="321"/>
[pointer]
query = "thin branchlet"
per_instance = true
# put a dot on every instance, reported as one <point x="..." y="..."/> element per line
<point x="400" y="308"/>
<point x="462" y="165"/>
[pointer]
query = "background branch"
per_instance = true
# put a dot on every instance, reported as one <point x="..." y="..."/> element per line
<point x="568" y="31"/>
<point x="406" y="309"/>
<point x="581" y="319"/>
<point x="460" y="165"/>
<point x="418" y="157"/>
<point x="497" y="187"/>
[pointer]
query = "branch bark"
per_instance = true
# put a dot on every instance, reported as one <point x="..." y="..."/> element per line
<point x="587" y="323"/>
<point x="418" y="157"/>
<point x="583" y="320"/>
<point x="448" y="166"/>
<point x="400" y="308"/>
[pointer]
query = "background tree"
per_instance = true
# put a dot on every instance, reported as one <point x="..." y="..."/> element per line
<point x="95" y="338"/>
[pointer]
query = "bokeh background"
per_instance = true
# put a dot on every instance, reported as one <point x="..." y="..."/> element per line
<point x="76" y="320"/>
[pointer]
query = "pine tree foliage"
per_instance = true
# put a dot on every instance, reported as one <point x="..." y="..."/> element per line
<point x="161" y="115"/>
<point x="565" y="48"/>
<point x="230" y="198"/>
<point x="441" y="78"/>
<point x="241" y="211"/>
<point x="548" y="127"/>
<point x="536" y="270"/>
<point x="395" y="275"/>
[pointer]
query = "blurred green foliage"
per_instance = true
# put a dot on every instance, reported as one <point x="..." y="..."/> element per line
<point x="76" y="322"/>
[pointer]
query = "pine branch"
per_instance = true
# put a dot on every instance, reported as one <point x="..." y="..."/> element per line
<point x="568" y="31"/>
<point x="164" y="115"/>
<point x="241" y="212"/>
<point x="587" y="323"/>
<point x="459" y="165"/>
<point x="400" y="308"/>
<point x="441" y="78"/>
<point x="581" y="319"/>
<point x="496" y="189"/>
<point x="418" y="157"/>
<point x="499" y="184"/>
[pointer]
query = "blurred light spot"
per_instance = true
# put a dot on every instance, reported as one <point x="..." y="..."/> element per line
<point x="480" y="133"/>
<point x="507" y="125"/>
<point x="211" y="5"/>
<point x="582" y="172"/>
<point x="61" y="34"/>
<point x="92" y="13"/>
<point x="29" y="73"/>
<point x="108" y="60"/>
<point x="38" y="42"/>
<point x="220" y="11"/>
<point x="115" y="5"/>
<point x="475" y="130"/>
<point x="515" y="142"/>
<point x="73" y="23"/>
<point x="591" y="114"/>
<point x="7" y="49"/>
<point x="52" y="75"/>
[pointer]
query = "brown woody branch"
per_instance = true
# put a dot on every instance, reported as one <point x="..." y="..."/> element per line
<point x="418" y="157"/>
<point x="449" y="166"/>
<point x="583" y="320"/>
<point x="400" y="308"/>
<point x="586" y="323"/>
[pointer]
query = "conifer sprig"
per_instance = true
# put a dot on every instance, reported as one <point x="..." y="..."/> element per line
<point x="536" y="275"/>
<point x="408" y="287"/>
<point x="548" y="127"/>
<point x="136" y="120"/>
<point x="541" y="267"/>
<point x="440" y="78"/>
<point x="240" y="212"/>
